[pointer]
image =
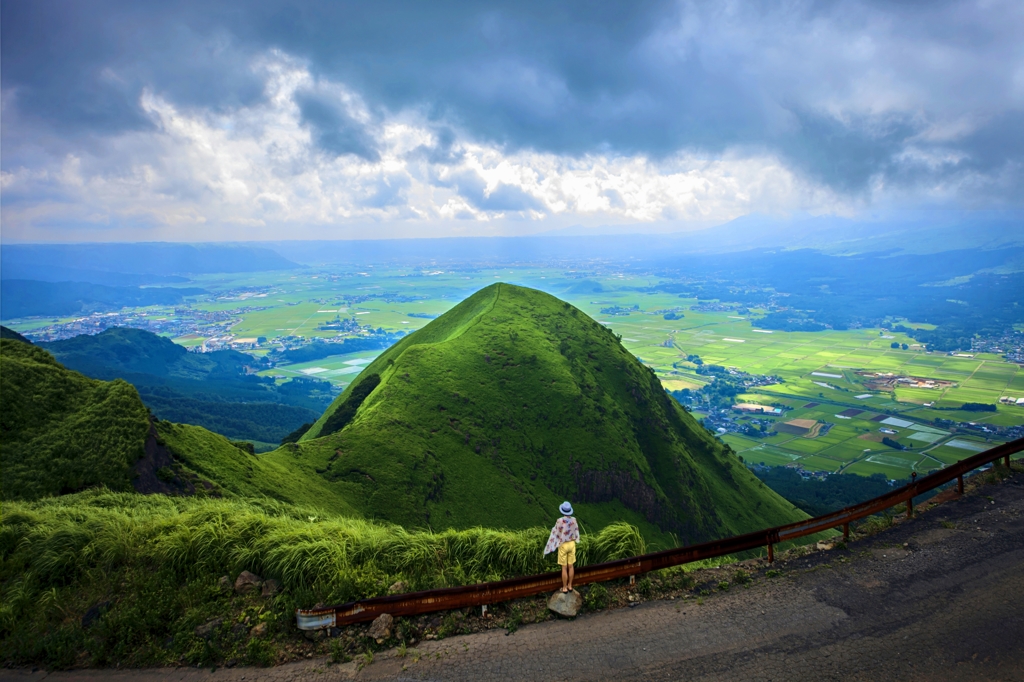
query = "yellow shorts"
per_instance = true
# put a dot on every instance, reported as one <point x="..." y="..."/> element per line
<point x="567" y="553"/>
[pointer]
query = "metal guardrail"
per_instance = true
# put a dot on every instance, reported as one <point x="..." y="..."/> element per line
<point x="481" y="594"/>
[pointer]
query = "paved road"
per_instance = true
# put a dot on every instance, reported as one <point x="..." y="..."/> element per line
<point x="948" y="606"/>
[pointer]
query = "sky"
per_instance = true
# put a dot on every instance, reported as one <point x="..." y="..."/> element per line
<point x="270" y="120"/>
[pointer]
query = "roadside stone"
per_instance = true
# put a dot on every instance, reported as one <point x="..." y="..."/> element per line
<point x="94" y="612"/>
<point x="824" y="545"/>
<point x="271" y="587"/>
<point x="380" y="628"/>
<point x="398" y="588"/>
<point x="246" y="582"/>
<point x="565" y="603"/>
<point x="224" y="584"/>
<point x="258" y="630"/>
<point x="205" y="630"/>
<point x="314" y="635"/>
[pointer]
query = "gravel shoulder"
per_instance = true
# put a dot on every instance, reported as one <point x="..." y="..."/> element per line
<point x="940" y="597"/>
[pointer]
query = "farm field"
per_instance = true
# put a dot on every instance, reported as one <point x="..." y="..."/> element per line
<point x="831" y="369"/>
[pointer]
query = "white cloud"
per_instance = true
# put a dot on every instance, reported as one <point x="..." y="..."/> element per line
<point x="251" y="171"/>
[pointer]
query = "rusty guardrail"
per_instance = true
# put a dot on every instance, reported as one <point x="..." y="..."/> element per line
<point x="481" y="594"/>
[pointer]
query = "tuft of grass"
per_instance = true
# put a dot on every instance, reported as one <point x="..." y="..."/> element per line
<point x="134" y="549"/>
<point x="596" y="597"/>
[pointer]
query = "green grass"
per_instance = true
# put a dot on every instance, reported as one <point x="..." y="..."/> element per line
<point x="156" y="559"/>
<point x="63" y="431"/>
<point x="513" y="401"/>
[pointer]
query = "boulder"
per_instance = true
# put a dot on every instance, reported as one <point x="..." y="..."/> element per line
<point x="565" y="603"/>
<point x="258" y="630"/>
<point x="271" y="587"/>
<point x="205" y="630"/>
<point x="398" y="588"/>
<point x="247" y="582"/>
<point x="380" y="629"/>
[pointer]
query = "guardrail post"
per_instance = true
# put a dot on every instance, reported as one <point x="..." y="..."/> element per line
<point x="960" y="484"/>
<point x="846" y="532"/>
<point x="771" y="553"/>
<point x="1006" y="461"/>
<point x="910" y="507"/>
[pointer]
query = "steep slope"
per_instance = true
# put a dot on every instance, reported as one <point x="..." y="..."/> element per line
<point x="212" y="390"/>
<point x="61" y="432"/>
<point x="510" y="402"/>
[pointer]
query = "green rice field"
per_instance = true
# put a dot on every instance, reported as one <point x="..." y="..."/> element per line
<point x="823" y="372"/>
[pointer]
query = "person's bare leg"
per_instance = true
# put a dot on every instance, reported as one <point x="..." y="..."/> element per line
<point x="565" y="578"/>
<point x="571" y="571"/>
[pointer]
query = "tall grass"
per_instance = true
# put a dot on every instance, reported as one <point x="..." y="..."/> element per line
<point x="54" y="542"/>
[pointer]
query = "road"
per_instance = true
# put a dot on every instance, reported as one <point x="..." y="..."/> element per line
<point x="937" y="598"/>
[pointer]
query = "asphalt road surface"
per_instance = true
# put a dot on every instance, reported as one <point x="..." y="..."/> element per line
<point x="937" y="598"/>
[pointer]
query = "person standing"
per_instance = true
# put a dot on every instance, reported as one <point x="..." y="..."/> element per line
<point x="563" y="539"/>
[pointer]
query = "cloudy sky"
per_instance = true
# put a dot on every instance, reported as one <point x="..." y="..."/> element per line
<point x="266" y="119"/>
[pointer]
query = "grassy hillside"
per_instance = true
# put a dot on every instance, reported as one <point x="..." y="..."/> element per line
<point x="212" y="390"/>
<point x="154" y="562"/>
<point x="62" y="431"/>
<point x="513" y="400"/>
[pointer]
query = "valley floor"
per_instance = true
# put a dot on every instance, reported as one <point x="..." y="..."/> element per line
<point x="937" y="598"/>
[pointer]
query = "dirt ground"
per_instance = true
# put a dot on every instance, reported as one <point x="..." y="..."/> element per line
<point x="940" y="597"/>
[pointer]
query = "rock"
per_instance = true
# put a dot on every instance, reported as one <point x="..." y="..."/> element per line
<point x="271" y="587"/>
<point x="314" y="635"/>
<point x="824" y="545"/>
<point x="380" y="629"/>
<point x="565" y="603"/>
<point x="258" y="630"/>
<point x="246" y="582"/>
<point x="94" y="612"/>
<point x="398" y="588"/>
<point x="205" y="630"/>
<point x="224" y="584"/>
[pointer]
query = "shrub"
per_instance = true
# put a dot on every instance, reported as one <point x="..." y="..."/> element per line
<point x="596" y="597"/>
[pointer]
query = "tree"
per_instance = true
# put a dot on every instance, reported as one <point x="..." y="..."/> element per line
<point x="894" y="344"/>
<point x="904" y="346"/>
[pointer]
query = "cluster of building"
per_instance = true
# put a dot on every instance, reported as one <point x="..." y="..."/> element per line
<point x="180" y="322"/>
<point x="1010" y="344"/>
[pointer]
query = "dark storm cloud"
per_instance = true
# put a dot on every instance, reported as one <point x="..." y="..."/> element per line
<point x="334" y="130"/>
<point x="837" y="89"/>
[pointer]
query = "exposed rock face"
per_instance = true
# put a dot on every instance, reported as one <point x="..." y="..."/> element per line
<point x="156" y="458"/>
<point x="247" y="582"/>
<point x="380" y="629"/>
<point x="565" y="604"/>
<point x="205" y="630"/>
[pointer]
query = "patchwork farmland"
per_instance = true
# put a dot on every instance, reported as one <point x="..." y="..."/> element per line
<point x="838" y="389"/>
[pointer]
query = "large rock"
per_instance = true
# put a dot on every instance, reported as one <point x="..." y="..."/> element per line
<point x="565" y="603"/>
<point x="205" y="630"/>
<point x="247" y="582"/>
<point x="380" y="629"/>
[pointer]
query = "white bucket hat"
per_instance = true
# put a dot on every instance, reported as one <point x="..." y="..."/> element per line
<point x="566" y="508"/>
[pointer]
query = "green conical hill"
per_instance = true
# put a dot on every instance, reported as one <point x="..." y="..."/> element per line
<point x="61" y="432"/>
<point x="512" y="401"/>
